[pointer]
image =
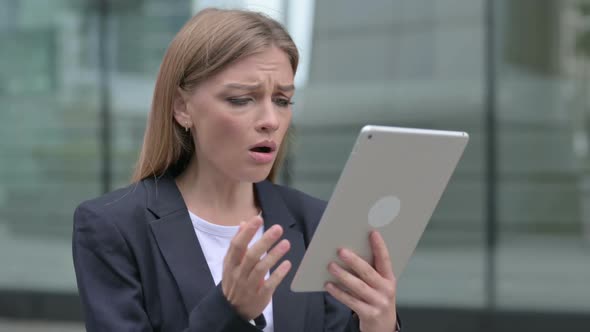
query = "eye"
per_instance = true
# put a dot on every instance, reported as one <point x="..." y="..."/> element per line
<point x="239" y="101"/>
<point x="282" y="102"/>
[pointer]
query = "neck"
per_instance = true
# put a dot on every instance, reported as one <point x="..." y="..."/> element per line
<point x="215" y="197"/>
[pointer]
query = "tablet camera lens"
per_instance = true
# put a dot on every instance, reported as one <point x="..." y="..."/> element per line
<point x="370" y="136"/>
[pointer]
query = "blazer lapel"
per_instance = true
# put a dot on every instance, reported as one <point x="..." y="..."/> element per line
<point x="177" y="240"/>
<point x="288" y="307"/>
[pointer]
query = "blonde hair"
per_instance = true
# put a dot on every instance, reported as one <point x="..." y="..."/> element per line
<point x="206" y="44"/>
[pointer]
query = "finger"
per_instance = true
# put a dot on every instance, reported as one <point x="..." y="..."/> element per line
<point x="269" y="286"/>
<point x="253" y="254"/>
<point x="352" y="302"/>
<point x="381" y="256"/>
<point x="352" y="283"/>
<point x="361" y="268"/>
<point x="239" y="243"/>
<point x="263" y="266"/>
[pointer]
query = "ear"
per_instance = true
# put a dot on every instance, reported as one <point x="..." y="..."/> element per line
<point x="181" y="114"/>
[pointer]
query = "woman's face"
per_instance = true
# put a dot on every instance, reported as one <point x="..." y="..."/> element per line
<point x="239" y="116"/>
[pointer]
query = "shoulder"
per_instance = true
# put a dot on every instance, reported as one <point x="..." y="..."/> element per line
<point x="114" y="209"/>
<point x="118" y="202"/>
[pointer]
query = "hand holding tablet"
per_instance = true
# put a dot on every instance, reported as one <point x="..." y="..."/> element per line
<point x="392" y="183"/>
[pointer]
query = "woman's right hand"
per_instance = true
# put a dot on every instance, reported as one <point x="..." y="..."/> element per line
<point x="244" y="270"/>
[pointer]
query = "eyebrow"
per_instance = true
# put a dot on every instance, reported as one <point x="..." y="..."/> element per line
<point x="286" y="88"/>
<point x="253" y="87"/>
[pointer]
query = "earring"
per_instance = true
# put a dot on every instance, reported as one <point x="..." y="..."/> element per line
<point x="187" y="127"/>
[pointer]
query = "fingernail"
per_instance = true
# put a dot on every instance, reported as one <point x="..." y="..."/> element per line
<point x="343" y="253"/>
<point x="282" y="246"/>
<point x="276" y="230"/>
<point x="333" y="267"/>
<point x="285" y="267"/>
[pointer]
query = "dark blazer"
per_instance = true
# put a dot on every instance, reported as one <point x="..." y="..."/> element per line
<point x="139" y="265"/>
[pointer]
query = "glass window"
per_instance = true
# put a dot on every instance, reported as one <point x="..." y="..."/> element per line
<point x="543" y="191"/>
<point x="50" y="156"/>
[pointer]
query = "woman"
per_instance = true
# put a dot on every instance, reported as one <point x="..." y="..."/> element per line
<point x="203" y="210"/>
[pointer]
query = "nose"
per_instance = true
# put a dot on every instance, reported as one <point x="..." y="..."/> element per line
<point x="268" y="120"/>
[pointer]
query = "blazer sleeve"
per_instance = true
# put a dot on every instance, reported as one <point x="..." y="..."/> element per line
<point x="338" y="317"/>
<point x="110" y="288"/>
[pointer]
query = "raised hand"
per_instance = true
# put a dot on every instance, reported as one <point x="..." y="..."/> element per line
<point x="244" y="269"/>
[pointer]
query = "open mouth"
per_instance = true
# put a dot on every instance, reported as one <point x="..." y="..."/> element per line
<point x="263" y="152"/>
<point x="262" y="149"/>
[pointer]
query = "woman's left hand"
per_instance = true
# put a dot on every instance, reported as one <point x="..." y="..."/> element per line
<point x="370" y="292"/>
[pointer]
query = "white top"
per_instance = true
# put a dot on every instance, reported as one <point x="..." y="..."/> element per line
<point x="215" y="240"/>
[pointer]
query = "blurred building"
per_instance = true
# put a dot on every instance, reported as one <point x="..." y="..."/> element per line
<point x="508" y="248"/>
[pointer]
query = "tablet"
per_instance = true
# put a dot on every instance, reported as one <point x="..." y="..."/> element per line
<point x="392" y="182"/>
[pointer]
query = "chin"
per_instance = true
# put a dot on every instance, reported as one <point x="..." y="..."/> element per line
<point x="261" y="176"/>
<point x="255" y="175"/>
